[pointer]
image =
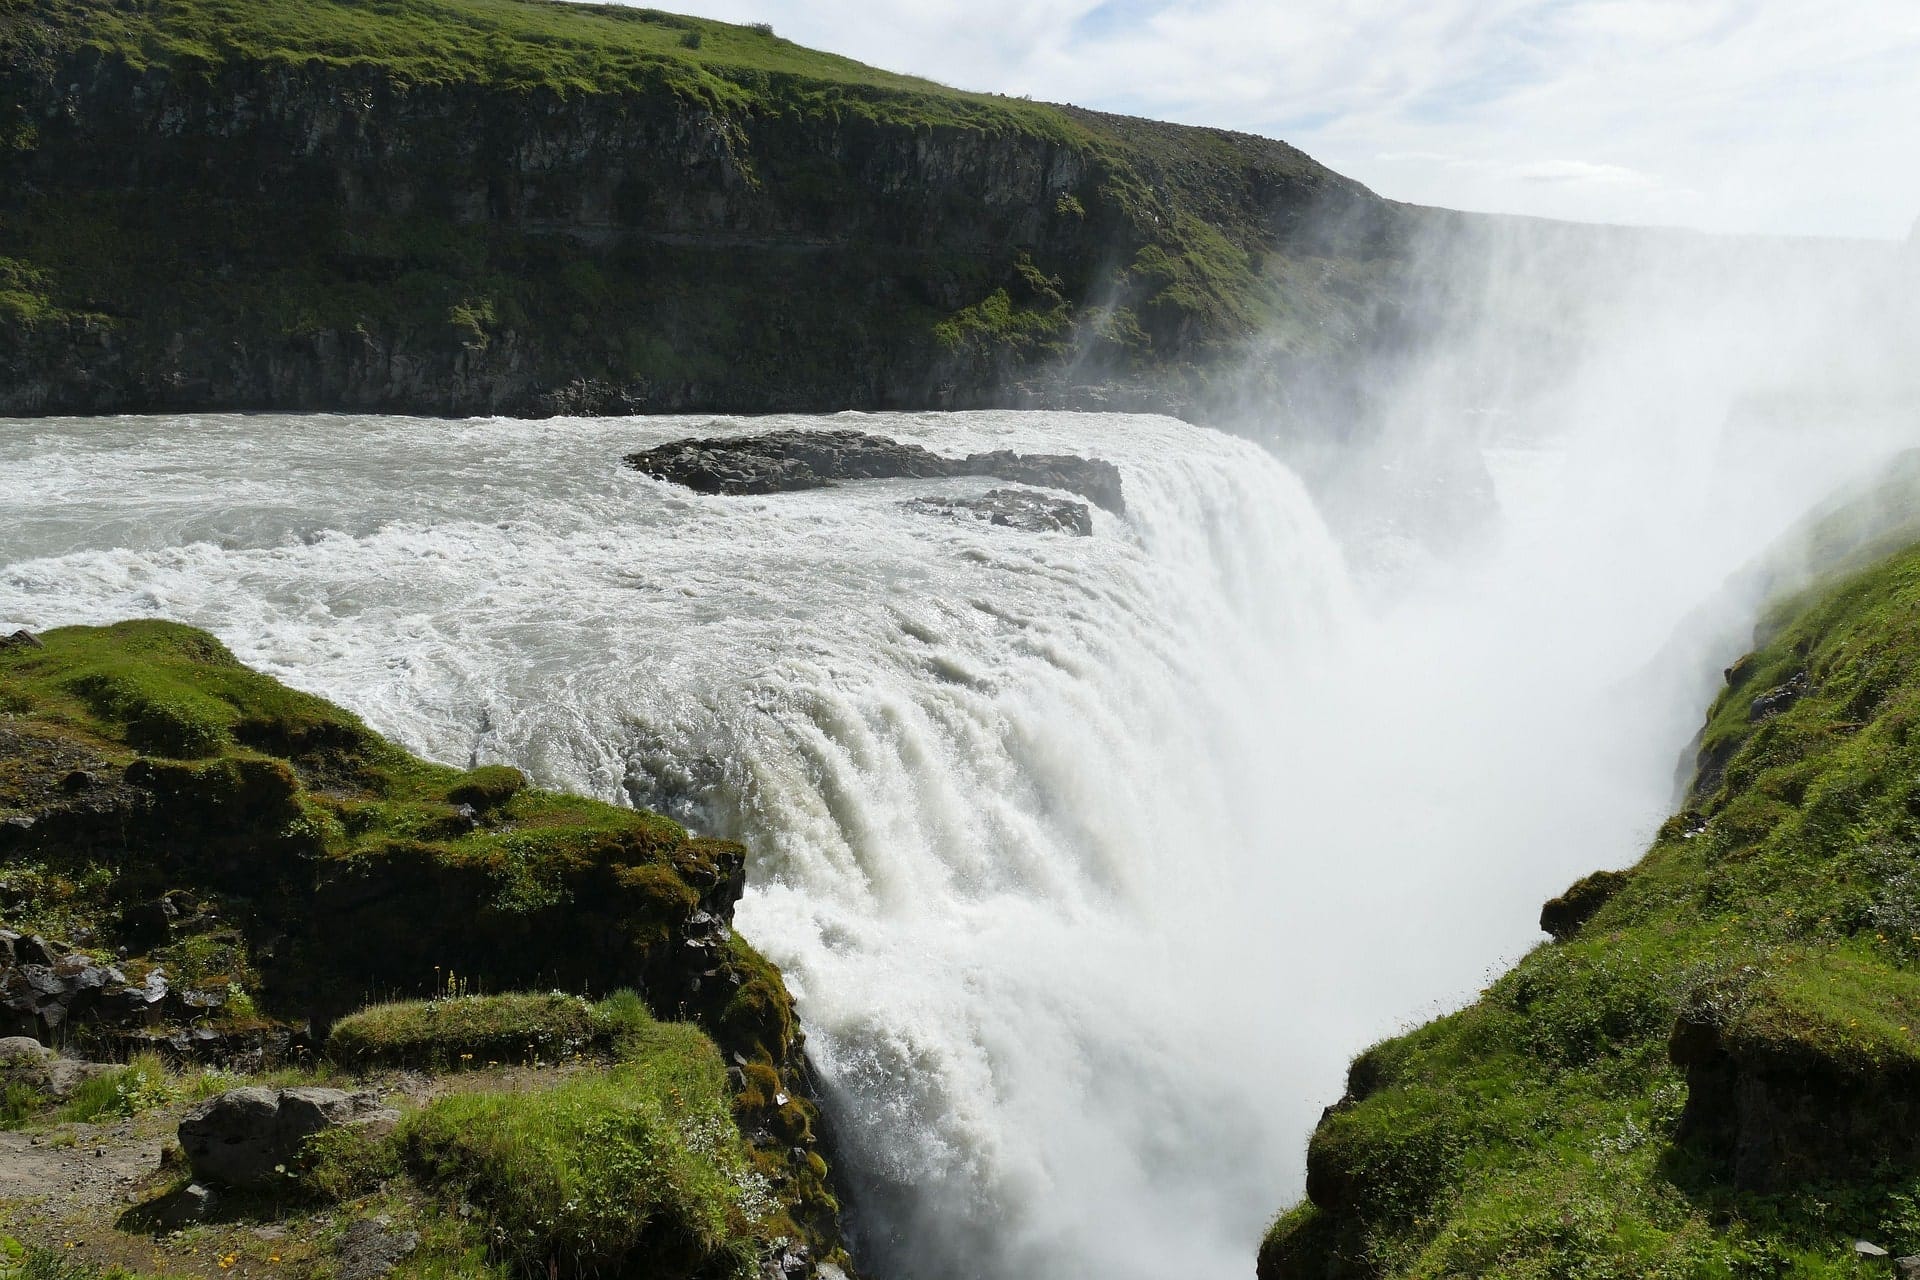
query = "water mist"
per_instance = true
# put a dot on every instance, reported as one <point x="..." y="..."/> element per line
<point x="1091" y="861"/>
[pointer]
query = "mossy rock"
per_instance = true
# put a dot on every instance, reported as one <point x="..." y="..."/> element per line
<point x="1713" y="1069"/>
<point x="328" y="863"/>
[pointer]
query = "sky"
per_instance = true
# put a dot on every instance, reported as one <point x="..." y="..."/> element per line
<point x="1794" y="117"/>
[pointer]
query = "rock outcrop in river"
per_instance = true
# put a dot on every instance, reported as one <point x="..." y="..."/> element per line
<point x="786" y="461"/>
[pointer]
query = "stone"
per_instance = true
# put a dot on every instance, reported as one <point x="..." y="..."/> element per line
<point x="23" y="1051"/>
<point x="1779" y="698"/>
<point x="1907" y="1268"/>
<point x="251" y="1137"/>
<point x="1868" y="1249"/>
<point x="22" y="639"/>
<point x="66" y="1075"/>
<point x="181" y="1208"/>
<point x="1020" y="509"/>
<point x="370" y="1248"/>
<point x="786" y="461"/>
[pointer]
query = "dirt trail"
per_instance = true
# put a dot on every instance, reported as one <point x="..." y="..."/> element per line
<point x="99" y="1166"/>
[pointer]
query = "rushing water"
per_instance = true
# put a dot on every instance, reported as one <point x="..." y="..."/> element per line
<point x="1089" y="860"/>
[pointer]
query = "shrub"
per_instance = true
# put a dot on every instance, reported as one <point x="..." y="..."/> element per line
<point x="141" y="1084"/>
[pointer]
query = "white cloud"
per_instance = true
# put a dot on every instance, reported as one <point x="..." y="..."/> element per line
<point x="1786" y="116"/>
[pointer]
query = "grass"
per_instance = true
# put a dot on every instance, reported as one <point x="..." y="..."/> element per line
<point x="638" y="1171"/>
<point x="469" y="1031"/>
<point x="325" y="866"/>
<point x="1156" y="247"/>
<point x="1575" y="1120"/>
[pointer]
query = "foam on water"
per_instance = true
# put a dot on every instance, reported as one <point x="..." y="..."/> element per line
<point x="996" y="784"/>
<point x="1090" y="860"/>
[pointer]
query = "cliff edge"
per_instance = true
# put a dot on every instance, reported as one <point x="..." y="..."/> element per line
<point x="525" y="207"/>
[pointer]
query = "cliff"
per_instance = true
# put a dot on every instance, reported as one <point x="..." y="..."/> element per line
<point x="514" y="206"/>
<point x="201" y="864"/>
<point x="1713" y="1069"/>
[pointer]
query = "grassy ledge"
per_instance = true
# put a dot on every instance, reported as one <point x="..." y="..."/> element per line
<point x="245" y="867"/>
<point x="1714" y="1069"/>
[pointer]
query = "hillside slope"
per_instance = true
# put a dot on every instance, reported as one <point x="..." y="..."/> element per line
<point x="1714" y="1068"/>
<point x="462" y="206"/>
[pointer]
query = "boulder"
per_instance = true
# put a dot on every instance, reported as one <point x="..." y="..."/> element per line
<point x="371" y="1247"/>
<point x="785" y="461"/>
<point x="251" y="1137"/>
<point x="66" y="1075"/>
<point x="22" y="639"/>
<point x="1020" y="509"/>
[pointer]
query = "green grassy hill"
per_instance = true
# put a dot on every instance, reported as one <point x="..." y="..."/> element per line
<point x="527" y="206"/>
<point x="1714" y="1068"/>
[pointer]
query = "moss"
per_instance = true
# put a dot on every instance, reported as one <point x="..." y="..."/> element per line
<point x="639" y="1171"/>
<point x="307" y="863"/>
<point x="467" y="1031"/>
<point x="1712" y="1073"/>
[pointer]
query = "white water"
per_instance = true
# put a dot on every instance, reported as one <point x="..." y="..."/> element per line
<point x="1090" y="860"/>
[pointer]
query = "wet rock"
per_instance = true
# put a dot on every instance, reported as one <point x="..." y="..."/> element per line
<point x="785" y="461"/>
<point x="371" y="1247"/>
<point x="1013" y="509"/>
<point x="792" y="1262"/>
<point x="1779" y="698"/>
<point x="250" y="1137"/>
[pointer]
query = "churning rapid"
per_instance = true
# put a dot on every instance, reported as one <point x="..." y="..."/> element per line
<point x="1090" y="860"/>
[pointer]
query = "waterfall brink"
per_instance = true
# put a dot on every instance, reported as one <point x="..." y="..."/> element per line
<point x="1009" y="795"/>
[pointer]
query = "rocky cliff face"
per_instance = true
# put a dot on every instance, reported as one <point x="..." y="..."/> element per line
<point x="243" y="231"/>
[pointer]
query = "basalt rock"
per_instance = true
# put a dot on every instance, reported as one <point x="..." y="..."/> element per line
<point x="786" y="461"/>
<point x="1013" y="509"/>
<point x="250" y="1138"/>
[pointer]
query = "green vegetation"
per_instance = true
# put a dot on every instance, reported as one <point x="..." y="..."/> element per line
<point x="19" y="1261"/>
<point x="635" y="1171"/>
<point x="275" y="862"/>
<point x="827" y="241"/>
<point x="467" y="1031"/>
<point x="1711" y="1074"/>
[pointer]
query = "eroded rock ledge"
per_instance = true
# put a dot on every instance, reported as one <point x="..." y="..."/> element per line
<point x="785" y="461"/>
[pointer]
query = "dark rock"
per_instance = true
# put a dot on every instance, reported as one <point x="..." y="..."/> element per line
<point x="1013" y="509"/>
<point x="1907" y="1268"/>
<point x="250" y="1137"/>
<point x="1776" y="1116"/>
<point x="1562" y="916"/>
<point x="43" y="990"/>
<point x="1779" y="698"/>
<point x="180" y="1208"/>
<point x="21" y="639"/>
<point x="78" y="780"/>
<point x="370" y="1248"/>
<point x="785" y="461"/>
<point x="149" y="924"/>
<point x="791" y="1262"/>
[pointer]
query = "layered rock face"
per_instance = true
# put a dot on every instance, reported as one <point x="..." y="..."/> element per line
<point x="340" y="233"/>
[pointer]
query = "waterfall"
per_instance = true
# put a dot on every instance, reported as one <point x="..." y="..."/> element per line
<point x="1089" y="860"/>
